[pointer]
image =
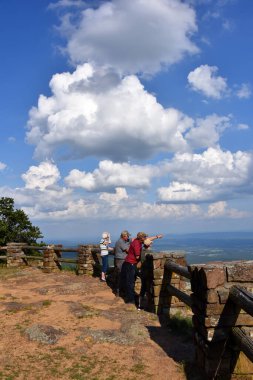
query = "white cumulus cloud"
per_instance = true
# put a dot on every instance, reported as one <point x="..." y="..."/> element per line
<point x="207" y="131"/>
<point x="183" y="192"/>
<point x="95" y="113"/>
<point x="2" y="165"/>
<point x="120" y="193"/>
<point x="221" y="209"/>
<point x="244" y="91"/>
<point x="110" y="175"/>
<point x="204" y="79"/>
<point x="208" y="176"/>
<point x="132" y="36"/>
<point x="42" y="176"/>
<point x="242" y="127"/>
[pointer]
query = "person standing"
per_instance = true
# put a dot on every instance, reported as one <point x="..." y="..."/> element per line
<point x="129" y="267"/>
<point x="104" y="251"/>
<point x="120" y="252"/>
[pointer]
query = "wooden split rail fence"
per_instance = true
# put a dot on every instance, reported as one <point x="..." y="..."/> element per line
<point x="235" y="338"/>
<point x="51" y="256"/>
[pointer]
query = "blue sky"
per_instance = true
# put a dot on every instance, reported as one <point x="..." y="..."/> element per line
<point x="127" y="114"/>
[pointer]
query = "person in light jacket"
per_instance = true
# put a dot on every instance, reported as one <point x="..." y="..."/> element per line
<point x="104" y="251"/>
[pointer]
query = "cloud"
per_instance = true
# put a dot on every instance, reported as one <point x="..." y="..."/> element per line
<point x="244" y="91"/>
<point x="228" y="25"/>
<point x="112" y="209"/>
<point x="110" y="175"/>
<point x="120" y="193"/>
<point x="204" y="79"/>
<point x="220" y="209"/>
<point x="198" y="178"/>
<point x="132" y="37"/>
<point x="207" y="177"/>
<point x="207" y="131"/>
<point x="42" y="176"/>
<point x="242" y="127"/>
<point x="67" y="4"/>
<point x="95" y="113"/>
<point x="12" y="139"/>
<point x="2" y="166"/>
<point x="183" y="192"/>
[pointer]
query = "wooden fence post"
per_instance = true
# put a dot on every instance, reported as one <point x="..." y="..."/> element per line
<point x="158" y="278"/>
<point x="215" y="314"/>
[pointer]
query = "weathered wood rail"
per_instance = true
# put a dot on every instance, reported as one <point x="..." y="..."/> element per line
<point x="242" y="300"/>
<point x="171" y="266"/>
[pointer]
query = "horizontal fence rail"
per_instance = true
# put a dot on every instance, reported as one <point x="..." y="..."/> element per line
<point x="182" y="271"/>
<point x="176" y="268"/>
<point x="180" y="295"/>
<point x="244" y="342"/>
<point x="242" y="298"/>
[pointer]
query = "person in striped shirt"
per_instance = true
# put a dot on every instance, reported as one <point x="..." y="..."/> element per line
<point x="104" y="251"/>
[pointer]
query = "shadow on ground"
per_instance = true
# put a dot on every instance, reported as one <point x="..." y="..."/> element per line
<point x="178" y="345"/>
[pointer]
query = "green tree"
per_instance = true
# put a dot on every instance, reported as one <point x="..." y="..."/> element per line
<point x="15" y="225"/>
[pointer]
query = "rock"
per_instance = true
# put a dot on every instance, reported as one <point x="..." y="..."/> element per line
<point x="44" y="334"/>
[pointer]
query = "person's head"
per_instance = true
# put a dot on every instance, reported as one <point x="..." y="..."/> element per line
<point x="142" y="236"/>
<point x="147" y="242"/>
<point x="125" y="235"/>
<point x="105" y="235"/>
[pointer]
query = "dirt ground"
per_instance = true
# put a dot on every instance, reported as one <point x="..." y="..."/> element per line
<point x="63" y="326"/>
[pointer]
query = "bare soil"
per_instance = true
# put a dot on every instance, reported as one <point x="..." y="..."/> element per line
<point x="63" y="326"/>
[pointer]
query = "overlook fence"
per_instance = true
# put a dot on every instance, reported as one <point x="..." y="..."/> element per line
<point x="218" y="296"/>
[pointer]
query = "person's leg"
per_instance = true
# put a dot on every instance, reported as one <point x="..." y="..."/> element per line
<point x="119" y="277"/>
<point x="143" y="284"/>
<point x="104" y="267"/>
<point x="123" y="281"/>
<point x="143" y="290"/>
<point x="130" y="281"/>
<point x="116" y="276"/>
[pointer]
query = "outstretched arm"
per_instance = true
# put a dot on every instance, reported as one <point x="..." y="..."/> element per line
<point x="155" y="237"/>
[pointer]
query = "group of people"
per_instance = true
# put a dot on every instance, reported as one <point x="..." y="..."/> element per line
<point x="127" y="258"/>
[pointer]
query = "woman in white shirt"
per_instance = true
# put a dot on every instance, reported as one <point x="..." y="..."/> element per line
<point x="104" y="250"/>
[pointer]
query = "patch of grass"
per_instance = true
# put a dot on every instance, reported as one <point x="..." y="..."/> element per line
<point x="62" y="351"/>
<point x="46" y="302"/>
<point x="9" y="373"/>
<point x="138" y="368"/>
<point x="8" y="272"/>
<point x="77" y="371"/>
<point x="3" y="263"/>
<point x="69" y="267"/>
<point x="19" y="327"/>
<point x="88" y="312"/>
<point x="181" y="325"/>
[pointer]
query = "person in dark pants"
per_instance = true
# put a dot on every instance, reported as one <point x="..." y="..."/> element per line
<point x="129" y="267"/>
<point x="120" y="252"/>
